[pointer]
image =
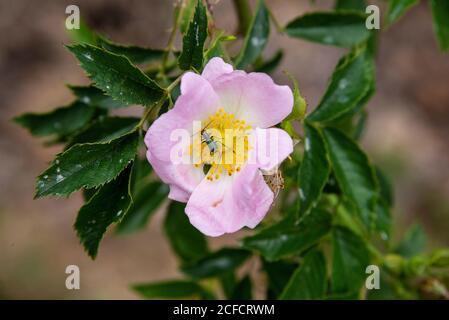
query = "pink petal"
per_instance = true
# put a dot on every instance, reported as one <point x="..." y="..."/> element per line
<point x="272" y="146"/>
<point x="181" y="178"/>
<point x="192" y="105"/>
<point x="196" y="102"/>
<point x="230" y="203"/>
<point x="215" y="68"/>
<point x="252" y="195"/>
<point x="254" y="97"/>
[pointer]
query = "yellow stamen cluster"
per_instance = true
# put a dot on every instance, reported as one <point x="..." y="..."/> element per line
<point x="228" y="141"/>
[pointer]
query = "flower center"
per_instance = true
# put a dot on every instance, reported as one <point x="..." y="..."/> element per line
<point x="221" y="146"/>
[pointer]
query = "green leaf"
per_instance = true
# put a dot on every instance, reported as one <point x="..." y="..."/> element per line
<point x="146" y="201"/>
<point x="314" y="170"/>
<point x="310" y="280"/>
<point x="186" y="241"/>
<point x="105" y="129"/>
<point x="107" y="206"/>
<point x="271" y="64"/>
<point x="83" y="34"/>
<point x="440" y="13"/>
<point x="175" y="289"/>
<point x="87" y="165"/>
<point x="135" y="54"/>
<point x="256" y="37"/>
<point x="340" y="28"/>
<point x="350" y="84"/>
<point x="359" y="127"/>
<point x="279" y="273"/>
<point x="287" y="237"/>
<point x="397" y="8"/>
<point x="413" y="243"/>
<point x="216" y="47"/>
<point x="94" y="97"/>
<point x="243" y="290"/>
<point x="228" y="283"/>
<point x="385" y="187"/>
<point x="350" y="257"/>
<point x="383" y="219"/>
<point x="115" y="75"/>
<point x="386" y="290"/>
<point x="354" y="174"/>
<point x="357" y="109"/>
<point x="88" y="194"/>
<point x="216" y="263"/>
<point x="61" y="121"/>
<point x="188" y="7"/>
<point x="359" y="5"/>
<point x="193" y="41"/>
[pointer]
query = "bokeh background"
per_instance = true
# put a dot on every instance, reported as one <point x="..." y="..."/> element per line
<point x="407" y="135"/>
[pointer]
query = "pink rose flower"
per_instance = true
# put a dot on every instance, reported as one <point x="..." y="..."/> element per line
<point x="223" y="196"/>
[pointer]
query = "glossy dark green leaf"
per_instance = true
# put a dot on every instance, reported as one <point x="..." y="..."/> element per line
<point x="359" y="5"/>
<point x="60" y="121"/>
<point x="256" y="37"/>
<point x="351" y="114"/>
<point x="88" y="194"/>
<point x="350" y="83"/>
<point x="287" y="238"/>
<point x="413" y="242"/>
<point x="94" y="97"/>
<point x="115" y="75"/>
<point x="193" y="41"/>
<point x="145" y="203"/>
<point x="175" y="289"/>
<point x="87" y="165"/>
<point x="243" y="290"/>
<point x="354" y="174"/>
<point x="136" y="54"/>
<point x="440" y="13"/>
<point x="216" y="263"/>
<point x="108" y="205"/>
<point x="314" y="170"/>
<point x="105" y="129"/>
<point x="278" y="272"/>
<point x="186" y="241"/>
<point x="397" y="8"/>
<point x="350" y="257"/>
<point x="339" y="28"/>
<point x="310" y="280"/>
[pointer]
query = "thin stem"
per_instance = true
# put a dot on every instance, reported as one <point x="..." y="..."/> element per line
<point x="172" y="38"/>
<point x="173" y="84"/>
<point x="276" y="23"/>
<point x="150" y="110"/>
<point x="244" y="15"/>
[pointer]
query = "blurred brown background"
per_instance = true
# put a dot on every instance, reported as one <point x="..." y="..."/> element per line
<point x="407" y="134"/>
